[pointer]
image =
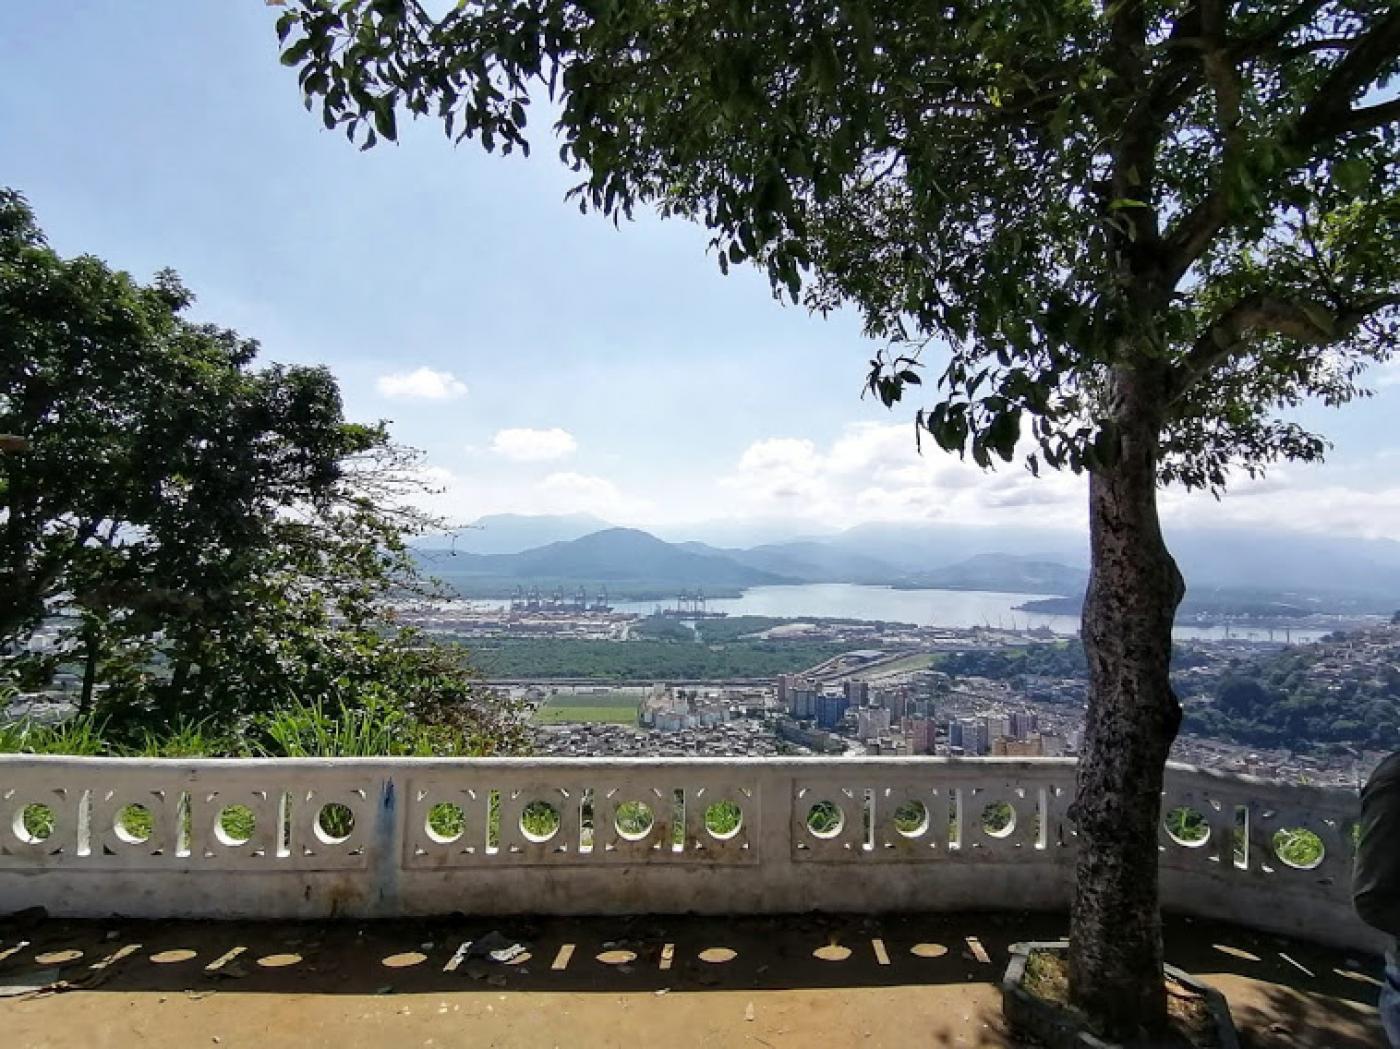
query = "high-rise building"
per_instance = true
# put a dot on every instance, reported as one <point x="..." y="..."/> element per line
<point x="920" y="734"/>
<point x="918" y="708"/>
<point x="802" y="701"/>
<point x="784" y="682"/>
<point x="897" y="700"/>
<point x="872" y="722"/>
<point x="857" y="693"/>
<point x="830" y="711"/>
<point x="970" y="734"/>
<point x="998" y="726"/>
<point x="1024" y="724"/>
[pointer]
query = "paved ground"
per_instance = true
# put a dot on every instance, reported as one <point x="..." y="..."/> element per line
<point x="895" y="981"/>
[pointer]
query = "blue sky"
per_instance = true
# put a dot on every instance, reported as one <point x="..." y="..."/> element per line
<point x="543" y="360"/>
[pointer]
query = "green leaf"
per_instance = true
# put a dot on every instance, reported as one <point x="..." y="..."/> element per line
<point x="385" y="121"/>
<point x="1352" y="175"/>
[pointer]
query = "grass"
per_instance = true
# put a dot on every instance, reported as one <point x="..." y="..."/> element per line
<point x="590" y="715"/>
<point x="83" y="736"/>
<point x="609" y="708"/>
<point x="1191" y="1024"/>
<point x="723" y="818"/>
<point x="1295" y="846"/>
<point x="295" y="729"/>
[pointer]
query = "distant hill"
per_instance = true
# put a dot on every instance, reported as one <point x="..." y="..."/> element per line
<point x="1343" y="572"/>
<point x="1008" y="574"/>
<point x="1228" y="568"/>
<point x="1289" y="562"/>
<point x="927" y="547"/>
<point x="809" y="561"/>
<point x="614" y="555"/>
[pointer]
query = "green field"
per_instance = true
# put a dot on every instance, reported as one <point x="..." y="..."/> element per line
<point x="614" y="708"/>
<point x="643" y="660"/>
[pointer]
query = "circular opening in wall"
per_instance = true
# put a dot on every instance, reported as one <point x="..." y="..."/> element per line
<point x="132" y="824"/>
<point x="634" y="820"/>
<point x="911" y="819"/>
<point x="334" y="823"/>
<point x="1299" y="848"/>
<point x="717" y="955"/>
<point x="832" y="952"/>
<point x="723" y="819"/>
<point x="999" y="819"/>
<point x="235" y="825"/>
<point x="1186" y="826"/>
<point x="34" y="824"/>
<point x="539" y="821"/>
<point x="445" y="822"/>
<point x="825" y="819"/>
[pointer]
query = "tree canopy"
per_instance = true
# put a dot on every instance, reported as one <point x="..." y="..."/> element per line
<point x="1046" y="187"/>
<point x="205" y="537"/>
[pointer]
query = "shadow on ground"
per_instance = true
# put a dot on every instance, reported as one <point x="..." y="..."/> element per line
<point x="892" y="980"/>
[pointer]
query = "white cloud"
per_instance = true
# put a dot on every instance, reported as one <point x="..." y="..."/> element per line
<point x="421" y="384"/>
<point x="524" y="445"/>
<point x="874" y="471"/>
<point x="568" y="492"/>
<point x="463" y="497"/>
<point x="1284" y="501"/>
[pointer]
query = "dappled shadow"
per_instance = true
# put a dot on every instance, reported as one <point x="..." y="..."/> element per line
<point x="946" y="967"/>
<point x="1275" y="1017"/>
<point x="608" y="955"/>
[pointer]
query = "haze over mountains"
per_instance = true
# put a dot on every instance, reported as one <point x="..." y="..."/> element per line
<point x="502" y="551"/>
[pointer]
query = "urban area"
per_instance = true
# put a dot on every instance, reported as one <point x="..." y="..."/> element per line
<point x="887" y="689"/>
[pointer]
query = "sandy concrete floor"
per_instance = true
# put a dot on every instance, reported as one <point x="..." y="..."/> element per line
<point x="669" y="982"/>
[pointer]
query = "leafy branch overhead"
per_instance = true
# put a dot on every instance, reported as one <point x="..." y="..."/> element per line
<point x="1048" y="188"/>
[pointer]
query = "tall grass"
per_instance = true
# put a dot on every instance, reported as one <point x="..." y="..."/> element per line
<point x="83" y="736"/>
<point x="294" y="730"/>
<point x="308" y="730"/>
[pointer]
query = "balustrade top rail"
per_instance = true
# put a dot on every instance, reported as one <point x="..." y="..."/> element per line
<point x="309" y="837"/>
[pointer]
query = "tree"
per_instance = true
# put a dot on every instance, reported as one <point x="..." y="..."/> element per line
<point x="217" y="539"/>
<point x="1138" y="230"/>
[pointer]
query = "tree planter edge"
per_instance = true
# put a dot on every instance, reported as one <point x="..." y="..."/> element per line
<point x="1058" y="1028"/>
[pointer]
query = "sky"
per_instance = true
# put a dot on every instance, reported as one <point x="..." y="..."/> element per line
<point x="542" y="360"/>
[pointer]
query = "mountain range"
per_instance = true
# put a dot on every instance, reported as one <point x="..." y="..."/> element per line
<point x="502" y="551"/>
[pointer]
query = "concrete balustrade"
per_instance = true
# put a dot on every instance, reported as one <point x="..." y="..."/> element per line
<point x="309" y="838"/>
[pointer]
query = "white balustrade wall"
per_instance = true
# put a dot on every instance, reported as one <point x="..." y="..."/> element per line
<point x="312" y="838"/>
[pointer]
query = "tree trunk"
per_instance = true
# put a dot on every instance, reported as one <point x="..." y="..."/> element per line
<point x="1115" y="956"/>
<point x="90" y="655"/>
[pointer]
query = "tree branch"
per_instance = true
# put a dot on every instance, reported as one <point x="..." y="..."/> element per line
<point x="1328" y="115"/>
<point x="1368" y="118"/>
<point x="1357" y="70"/>
<point x="1312" y="324"/>
<point x="1264" y="42"/>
